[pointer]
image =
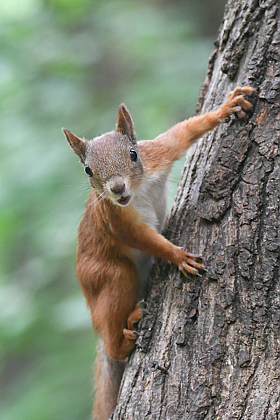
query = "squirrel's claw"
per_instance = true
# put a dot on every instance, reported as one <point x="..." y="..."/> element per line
<point x="192" y="264"/>
<point x="187" y="269"/>
<point x="237" y="104"/>
<point x="130" y="334"/>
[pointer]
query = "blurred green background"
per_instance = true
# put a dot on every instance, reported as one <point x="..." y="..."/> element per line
<point x="70" y="63"/>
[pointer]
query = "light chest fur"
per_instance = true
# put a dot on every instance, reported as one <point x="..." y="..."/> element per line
<point x="150" y="202"/>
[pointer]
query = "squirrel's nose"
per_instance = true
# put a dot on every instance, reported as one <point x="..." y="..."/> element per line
<point x="118" y="188"/>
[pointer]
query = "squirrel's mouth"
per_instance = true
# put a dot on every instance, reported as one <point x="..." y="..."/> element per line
<point x="123" y="201"/>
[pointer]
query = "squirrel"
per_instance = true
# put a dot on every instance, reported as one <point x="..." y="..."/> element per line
<point x="119" y="233"/>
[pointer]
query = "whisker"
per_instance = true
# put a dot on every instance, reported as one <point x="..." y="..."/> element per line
<point x="102" y="196"/>
<point x="171" y="230"/>
<point x="99" y="197"/>
<point x="86" y="188"/>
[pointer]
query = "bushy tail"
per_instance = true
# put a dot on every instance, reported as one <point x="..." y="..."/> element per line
<point x="108" y="376"/>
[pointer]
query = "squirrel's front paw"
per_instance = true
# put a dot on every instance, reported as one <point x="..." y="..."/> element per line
<point x="236" y="104"/>
<point x="191" y="264"/>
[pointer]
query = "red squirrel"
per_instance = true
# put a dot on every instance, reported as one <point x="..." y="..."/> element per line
<point x="120" y="230"/>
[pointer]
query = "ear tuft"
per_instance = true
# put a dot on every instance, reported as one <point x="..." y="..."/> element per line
<point x="78" y="145"/>
<point x="125" y="124"/>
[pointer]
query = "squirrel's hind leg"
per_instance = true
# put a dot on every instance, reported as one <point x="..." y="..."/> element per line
<point x="120" y="311"/>
<point x="133" y="318"/>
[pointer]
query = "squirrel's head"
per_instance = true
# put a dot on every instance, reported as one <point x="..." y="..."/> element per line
<point x="111" y="161"/>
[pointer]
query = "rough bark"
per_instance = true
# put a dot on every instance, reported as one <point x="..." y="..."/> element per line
<point x="218" y="337"/>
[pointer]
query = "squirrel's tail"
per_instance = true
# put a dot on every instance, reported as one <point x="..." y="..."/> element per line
<point x="108" y="376"/>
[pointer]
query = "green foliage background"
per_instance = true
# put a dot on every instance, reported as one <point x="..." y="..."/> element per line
<point x="71" y="63"/>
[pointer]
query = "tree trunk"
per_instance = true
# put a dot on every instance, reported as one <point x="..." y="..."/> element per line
<point x="209" y="349"/>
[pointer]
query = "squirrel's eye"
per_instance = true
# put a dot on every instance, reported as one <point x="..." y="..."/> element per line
<point x="88" y="171"/>
<point x="133" y="155"/>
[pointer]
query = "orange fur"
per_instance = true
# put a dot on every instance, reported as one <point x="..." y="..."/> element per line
<point x="114" y="226"/>
<point x="108" y="277"/>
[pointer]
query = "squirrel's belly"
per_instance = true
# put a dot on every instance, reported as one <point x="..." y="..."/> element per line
<point x="151" y="204"/>
<point x="144" y="263"/>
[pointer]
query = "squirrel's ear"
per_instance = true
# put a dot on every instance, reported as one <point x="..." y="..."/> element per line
<point x="78" y="145"/>
<point x="125" y="124"/>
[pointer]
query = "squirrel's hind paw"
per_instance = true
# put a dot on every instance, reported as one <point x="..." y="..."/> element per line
<point x="136" y="315"/>
<point x="130" y="334"/>
<point x="133" y="318"/>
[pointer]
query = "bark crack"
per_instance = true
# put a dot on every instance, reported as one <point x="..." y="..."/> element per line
<point x="249" y="387"/>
